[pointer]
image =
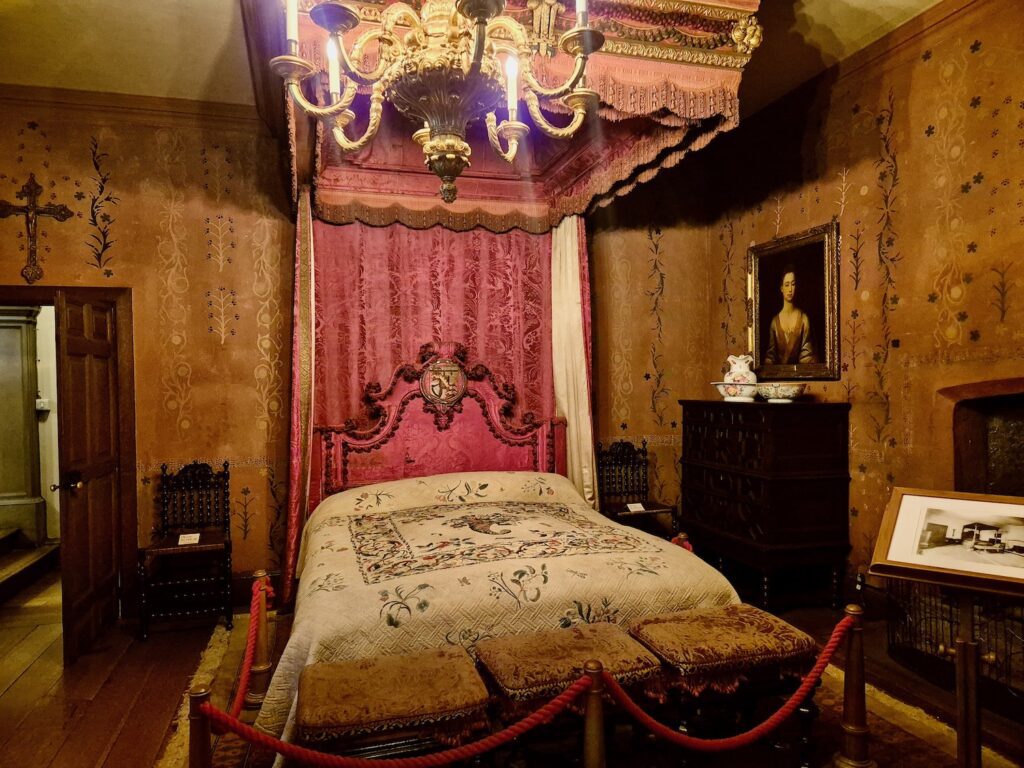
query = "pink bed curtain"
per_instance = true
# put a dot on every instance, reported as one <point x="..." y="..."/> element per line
<point x="383" y="292"/>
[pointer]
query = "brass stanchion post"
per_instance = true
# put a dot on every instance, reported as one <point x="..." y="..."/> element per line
<point x="593" y="723"/>
<point x="199" y="748"/>
<point x="968" y="715"/>
<point x="854" y="750"/>
<point x="259" y="678"/>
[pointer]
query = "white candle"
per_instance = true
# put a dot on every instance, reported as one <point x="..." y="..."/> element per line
<point x="581" y="13"/>
<point x="512" y="79"/>
<point x="292" y="20"/>
<point x="333" y="75"/>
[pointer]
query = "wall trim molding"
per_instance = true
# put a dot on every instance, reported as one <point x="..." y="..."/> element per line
<point x="889" y="44"/>
<point x="131" y="108"/>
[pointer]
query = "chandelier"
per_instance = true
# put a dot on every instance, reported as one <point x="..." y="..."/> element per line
<point x="451" y="63"/>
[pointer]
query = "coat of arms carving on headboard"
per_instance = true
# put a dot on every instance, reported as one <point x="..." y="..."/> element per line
<point x="442" y="384"/>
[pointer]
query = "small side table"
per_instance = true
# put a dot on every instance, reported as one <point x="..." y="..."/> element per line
<point x="646" y="519"/>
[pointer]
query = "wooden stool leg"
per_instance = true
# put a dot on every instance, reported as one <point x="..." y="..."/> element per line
<point x="807" y="715"/>
<point x="143" y="601"/>
<point x="838" y="572"/>
<point x="228" y="618"/>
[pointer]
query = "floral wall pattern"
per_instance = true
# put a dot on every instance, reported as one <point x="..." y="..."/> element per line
<point x="916" y="147"/>
<point x="188" y="211"/>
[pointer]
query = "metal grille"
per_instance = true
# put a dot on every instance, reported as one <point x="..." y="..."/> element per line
<point x="923" y="617"/>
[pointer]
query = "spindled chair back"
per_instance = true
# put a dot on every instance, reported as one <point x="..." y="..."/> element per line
<point x="193" y="498"/>
<point x="622" y="472"/>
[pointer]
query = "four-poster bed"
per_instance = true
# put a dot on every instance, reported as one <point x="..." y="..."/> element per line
<point x="444" y="517"/>
<point x="446" y="522"/>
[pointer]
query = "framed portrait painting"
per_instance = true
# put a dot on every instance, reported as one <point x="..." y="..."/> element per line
<point x="970" y="541"/>
<point x="795" y="297"/>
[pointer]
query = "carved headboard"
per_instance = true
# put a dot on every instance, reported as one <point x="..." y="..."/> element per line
<point x="436" y="415"/>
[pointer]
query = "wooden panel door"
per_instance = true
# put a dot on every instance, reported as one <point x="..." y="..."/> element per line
<point x="90" y="520"/>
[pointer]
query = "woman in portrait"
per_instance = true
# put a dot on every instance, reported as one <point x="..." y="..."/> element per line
<point x="789" y="335"/>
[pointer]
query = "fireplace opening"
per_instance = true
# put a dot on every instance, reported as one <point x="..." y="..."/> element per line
<point x="988" y="445"/>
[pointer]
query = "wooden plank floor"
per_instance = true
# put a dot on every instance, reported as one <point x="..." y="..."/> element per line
<point x="111" y="708"/>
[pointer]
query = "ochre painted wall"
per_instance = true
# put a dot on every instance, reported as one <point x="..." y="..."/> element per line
<point x="916" y="146"/>
<point x="195" y="220"/>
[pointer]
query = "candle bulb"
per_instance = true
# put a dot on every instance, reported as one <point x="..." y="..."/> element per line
<point x="581" y="13"/>
<point x="292" y="21"/>
<point x="512" y="79"/>
<point x="333" y="75"/>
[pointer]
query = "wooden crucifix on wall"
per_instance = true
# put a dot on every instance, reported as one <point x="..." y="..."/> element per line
<point x="31" y="210"/>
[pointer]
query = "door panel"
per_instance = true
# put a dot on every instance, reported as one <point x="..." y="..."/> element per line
<point x="90" y="512"/>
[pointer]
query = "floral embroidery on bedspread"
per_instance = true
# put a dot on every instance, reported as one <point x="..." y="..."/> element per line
<point x="394" y="544"/>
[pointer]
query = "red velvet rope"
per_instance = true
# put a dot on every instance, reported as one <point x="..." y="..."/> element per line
<point x="225" y="722"/>
<point x="755" y="733"/>
<point x="250" y="644"/>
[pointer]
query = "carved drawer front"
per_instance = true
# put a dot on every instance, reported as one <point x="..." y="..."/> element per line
<point x="724" y="482"/>
<point x="730" y="516"/>
<point x="727" y="445"/>
<point x="766" y="484"/>
<point x="804" y="445"/>
<point x="811" y="511"/>
<point x="767" y="438"/>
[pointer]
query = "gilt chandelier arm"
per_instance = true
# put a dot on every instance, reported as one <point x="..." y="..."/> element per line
<point x="579" y="43"/>
<point x="385" y="42"/>
<point x="376" y="110"/>
<point x="294" y="70"/>
<point x="533" y="105"/>
<point x="512" y="131"/>
<point x="535" y="86"/>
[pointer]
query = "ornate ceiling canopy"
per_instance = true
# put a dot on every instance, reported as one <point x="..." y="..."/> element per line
<point x="667" y="77"/>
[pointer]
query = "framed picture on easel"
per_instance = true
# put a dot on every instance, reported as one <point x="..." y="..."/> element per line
<point x="968" y="541"/>
<point x="965" y="543"/>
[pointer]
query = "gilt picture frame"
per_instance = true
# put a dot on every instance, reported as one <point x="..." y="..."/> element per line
<point x="971" y="541"/>
<point x="794" y="295"/>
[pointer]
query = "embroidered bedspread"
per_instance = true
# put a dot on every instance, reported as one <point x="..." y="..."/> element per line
<point x="453" y="559"/>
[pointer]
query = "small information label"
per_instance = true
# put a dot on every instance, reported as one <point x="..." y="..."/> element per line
<point x="188" y="538"/>
<point x="635" y="507"/>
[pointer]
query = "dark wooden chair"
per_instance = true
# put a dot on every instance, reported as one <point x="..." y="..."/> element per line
<point x="622" y="481"/>
<point x="178" y="580"/>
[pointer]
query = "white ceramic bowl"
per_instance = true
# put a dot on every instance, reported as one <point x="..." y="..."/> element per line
<point x="781" y="391"/>
<point x="740" y="393"/>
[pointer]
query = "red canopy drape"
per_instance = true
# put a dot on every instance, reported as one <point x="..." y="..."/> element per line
<point x="383" y="292"/>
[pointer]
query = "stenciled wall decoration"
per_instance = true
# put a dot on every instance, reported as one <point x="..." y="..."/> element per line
<point x="190" y="213"/>
<point x="915" y="146"/>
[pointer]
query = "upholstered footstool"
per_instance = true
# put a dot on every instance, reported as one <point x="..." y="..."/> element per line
<point x="719" y="647"/>
<point x="710" y="652"/>
<point x="540" y="665"/>
<point x="435" y="694"/>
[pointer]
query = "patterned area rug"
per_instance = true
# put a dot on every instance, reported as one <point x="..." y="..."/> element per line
<point x="901" y="736"/>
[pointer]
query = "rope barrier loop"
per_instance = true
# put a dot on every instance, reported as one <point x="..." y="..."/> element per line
<point x="748" y="737"/>
<point x="223" y="722"/>
<point x="595" y="678"/>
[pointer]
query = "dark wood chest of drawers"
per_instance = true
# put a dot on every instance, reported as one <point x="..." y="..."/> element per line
<point x="766" y="485"/>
